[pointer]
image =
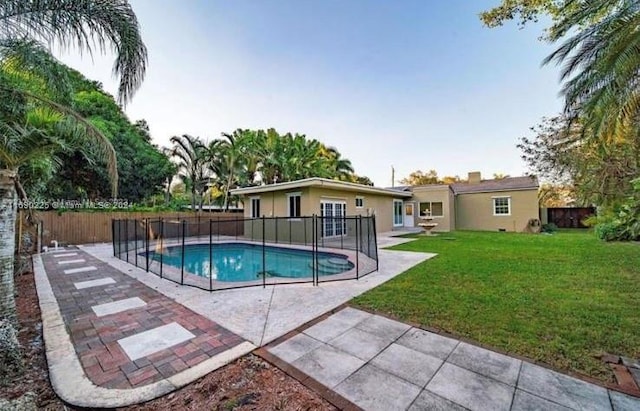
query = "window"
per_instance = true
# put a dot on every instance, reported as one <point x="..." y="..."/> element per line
<point x="294" y="205"/>
<point x="432" y="209"/>
<point x="255" y="207"/>
<point x="359" y="202"/>
<point x="501" y="205"/>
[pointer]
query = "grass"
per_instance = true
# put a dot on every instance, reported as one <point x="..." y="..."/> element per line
<point x="561" y="299"/>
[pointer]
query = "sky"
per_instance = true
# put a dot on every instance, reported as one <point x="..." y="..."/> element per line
<point x="411" y="84"/>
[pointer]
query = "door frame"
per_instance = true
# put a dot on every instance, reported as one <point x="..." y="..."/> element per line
<point x="401" y="215"/>
<point x="335" y="221"/>
<point x="409" y="220"/>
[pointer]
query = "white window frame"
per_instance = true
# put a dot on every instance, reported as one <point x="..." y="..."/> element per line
<point x="430" y="208"/>
<point x="253" y="211"/>
<point x="289" y="214"/>
<point x="361" y="202"/>
<point x="493" y="203"/>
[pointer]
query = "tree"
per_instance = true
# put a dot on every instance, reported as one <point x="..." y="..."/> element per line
<point x="192" y="158"/>
<point x="528" y="11"/>
<point x="420" y="178"/>
<point x="87" y="24"/>
<point x="600" y="171"/>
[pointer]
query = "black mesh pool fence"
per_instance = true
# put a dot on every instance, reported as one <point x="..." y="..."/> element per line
<point x="228" y="252"/>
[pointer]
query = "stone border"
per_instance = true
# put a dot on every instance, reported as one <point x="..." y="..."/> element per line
<point x="68" y="378"/>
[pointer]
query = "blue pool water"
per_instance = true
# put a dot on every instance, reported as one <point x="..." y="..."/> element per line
<point x="243" y="262"/>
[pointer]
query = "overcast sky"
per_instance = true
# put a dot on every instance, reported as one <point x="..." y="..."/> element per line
<point x="410" y="84"/>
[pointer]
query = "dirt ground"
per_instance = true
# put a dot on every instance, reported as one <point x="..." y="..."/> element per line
<point x="248" y="383"/>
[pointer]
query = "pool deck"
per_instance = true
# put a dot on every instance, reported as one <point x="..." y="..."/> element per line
<point x="117" y="335"/>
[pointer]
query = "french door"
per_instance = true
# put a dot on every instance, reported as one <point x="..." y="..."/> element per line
<point x="333" y="221"/>
<point x="398" y="213"/>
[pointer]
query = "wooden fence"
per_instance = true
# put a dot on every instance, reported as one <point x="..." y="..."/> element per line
<point x="85" y="228"/>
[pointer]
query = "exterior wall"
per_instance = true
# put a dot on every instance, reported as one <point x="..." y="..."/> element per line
<point x="441" y="194"/>
<point x="474" y="211"/>
<point x="275" y="204"/>
<point x="380" y="205"/>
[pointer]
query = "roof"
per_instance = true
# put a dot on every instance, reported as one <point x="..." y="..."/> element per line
<point x="502" y="184"/>
<point x="319" y="182"/>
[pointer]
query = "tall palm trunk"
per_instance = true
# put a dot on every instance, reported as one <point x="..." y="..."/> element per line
<point x="226" y="192"/>
<point x="8" y="206"/>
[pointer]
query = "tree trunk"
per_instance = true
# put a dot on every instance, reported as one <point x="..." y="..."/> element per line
<point x="226" y="192"/>
<point x="8" y="208"/>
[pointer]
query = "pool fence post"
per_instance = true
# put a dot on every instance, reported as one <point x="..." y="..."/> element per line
<point x="135" y="236"/>
<point x="218" y="228"/>
<point x="161" y="241"/>
<point x="357" y="251"/>
<point x="184" y="226"/>
<point x="126" y="234"/>
<point x="146" y="240"/>
<point x="264" y="268"/>
<point x="316" y="274"/>
<point x="289" y="231"/>
<point x="375" y="239"/>
<point x="369" y="236"/>
<point x="211" y="253"/>
<point x="276" y="229"/>
<point x="113" y="237"/>
<point x="305" y="230"/>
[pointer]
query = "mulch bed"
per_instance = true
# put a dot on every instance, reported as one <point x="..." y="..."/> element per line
<point x="248" y="383"/>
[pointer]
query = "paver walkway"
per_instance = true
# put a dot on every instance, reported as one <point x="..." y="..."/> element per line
<point x="380" y="364"/>
<point x="125" y="334"/>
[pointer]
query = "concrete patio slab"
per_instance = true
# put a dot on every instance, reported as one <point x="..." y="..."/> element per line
<point x="374" y="389"/>
<point x="151" y="341"/>
<point x="471" y="390"/>
<point x="428" y="401"/>
<point x="408" y="364"/>
<point x="428" y="343"/>
<point x="295" y="347"/>
<point x="523" y="401"/>
<point x="117" y="306"/>
<point x="488" y="363"/>
<point x="329" y="329"/>
<point x="383" y="327"/>
<point x="94" y="283"/>
<point x="360" y="343"/>
<point x="562" y="389"/>
<point x="80" y="270"/>
<point x="624" y="402"/>
<point x="328" y="365"/>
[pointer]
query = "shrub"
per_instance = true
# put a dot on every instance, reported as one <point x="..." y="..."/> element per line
<point x="549" y="228"/>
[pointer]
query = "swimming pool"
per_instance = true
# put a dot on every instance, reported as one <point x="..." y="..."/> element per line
<point x="243" y="262"/>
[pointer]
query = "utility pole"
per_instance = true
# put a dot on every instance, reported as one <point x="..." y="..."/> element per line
<point x="393" y="177"/>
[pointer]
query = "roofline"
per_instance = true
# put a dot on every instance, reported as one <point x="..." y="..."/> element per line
<point x="498" y="190"/>
<point x="319" y="182"/>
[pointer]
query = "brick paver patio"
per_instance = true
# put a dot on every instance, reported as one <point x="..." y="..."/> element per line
<point x="96" y="338"/>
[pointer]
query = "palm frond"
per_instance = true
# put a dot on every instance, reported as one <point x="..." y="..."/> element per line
<point x="85" y="24"/>
<point x="83" y="130"/>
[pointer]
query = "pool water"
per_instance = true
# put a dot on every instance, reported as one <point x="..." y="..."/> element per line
<point x="243" y="262"/>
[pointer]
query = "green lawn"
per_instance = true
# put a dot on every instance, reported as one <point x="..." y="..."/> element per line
<point x="561" y="299"/>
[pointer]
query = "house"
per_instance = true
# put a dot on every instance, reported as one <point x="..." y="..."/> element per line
<point x="507" y="204"/>
<point x="323" y="197"/>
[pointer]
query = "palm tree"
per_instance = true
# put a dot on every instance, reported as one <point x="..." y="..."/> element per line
<point x="601" y="64"/>
<point x="86" y="24"/>
<point x="192" y="162"/>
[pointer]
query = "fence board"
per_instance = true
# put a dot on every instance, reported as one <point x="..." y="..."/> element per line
<point x="86" y="228"/>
